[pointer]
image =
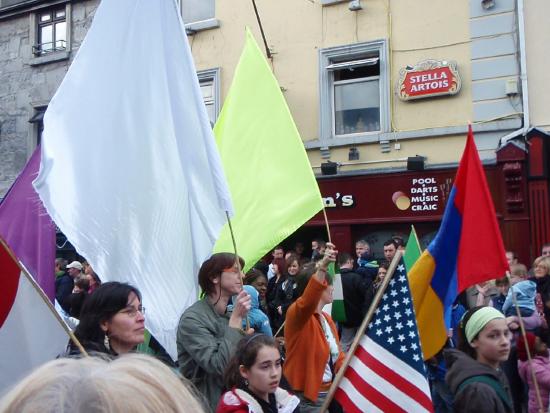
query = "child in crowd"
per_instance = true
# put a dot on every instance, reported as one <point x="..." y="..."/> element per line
<point x="540" y="365"/>
<point x="525" y="295"/>
<point x="256" y="318"/>
<point x="502" y="285"/>
<point x="253" y="375"/>
<point x="518" y="272"/>
<point x="474" y="375"/>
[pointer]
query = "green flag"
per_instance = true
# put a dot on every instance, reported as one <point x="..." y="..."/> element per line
<point x="272" y="184"/>
<point x="338" y="310"/>
<point x="412" y="251"/>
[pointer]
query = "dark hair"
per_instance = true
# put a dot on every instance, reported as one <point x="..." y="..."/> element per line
<point x="390" y="242"/>
<point x="281" y="265"/>
<point x="252" y="275"/>
<point x="320" y="242"/>
<point x="279" y="247"/>
<point x="302" y="279"/>
<point x="102" y="305"/>
<point x="384" y="264"/>
<point x="343" y="258"/>
<point x="290" y="259"/>
<point x="463" y="344"/>
<point x="502" y="281"/>
<point x="213" y="267"/>
<point x="245" y="355"/>
<point x="82" y="283"/>
<point x="398" y="241"/>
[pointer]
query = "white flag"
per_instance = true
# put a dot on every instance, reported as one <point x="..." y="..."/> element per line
<point x="130" y="171"/>
<point x="30" y="333"/>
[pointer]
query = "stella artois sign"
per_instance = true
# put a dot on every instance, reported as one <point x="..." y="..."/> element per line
<point x="427" y="79"/>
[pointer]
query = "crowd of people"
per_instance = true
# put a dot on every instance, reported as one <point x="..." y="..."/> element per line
<point x="261" y="342"/>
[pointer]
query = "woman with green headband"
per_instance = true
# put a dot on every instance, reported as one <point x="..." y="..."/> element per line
<point x="474" y="375"/>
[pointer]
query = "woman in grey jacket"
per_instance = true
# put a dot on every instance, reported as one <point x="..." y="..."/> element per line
<point x="207" y="335"/>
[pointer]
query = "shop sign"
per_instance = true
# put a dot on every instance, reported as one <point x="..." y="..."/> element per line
<point x="424" y="194"/>
<point x="338" y="200"/>
<point x="427" y="79"/>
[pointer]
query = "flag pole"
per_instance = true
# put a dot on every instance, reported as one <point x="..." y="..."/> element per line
<point x="524" y="334"/>
<point x="236" y="259"/>
<point x="45" y="299"/>
<point x="326" y="223"/>
<point x="361" y="330"/>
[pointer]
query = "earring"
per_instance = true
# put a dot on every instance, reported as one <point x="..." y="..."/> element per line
<point x="106" y="342"/>
<point x="246" y="382"/>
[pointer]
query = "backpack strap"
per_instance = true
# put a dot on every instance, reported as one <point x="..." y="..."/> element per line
<point x="490" y="381"/>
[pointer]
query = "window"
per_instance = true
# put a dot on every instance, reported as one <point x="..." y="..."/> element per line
<point x="197" y="10"/>
<point x="354" y="91"/>
<point x="38" y="121"/>
<point x="209" y="84"/>
<point x="51" y="31"/>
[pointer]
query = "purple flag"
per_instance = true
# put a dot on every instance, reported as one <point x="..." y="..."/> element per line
<point x="27" y="228"/>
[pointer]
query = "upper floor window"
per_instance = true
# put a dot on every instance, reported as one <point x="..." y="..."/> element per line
<point x="209" y="84"/>
<point x="197" y="10"/>
<point x="354" y="90"/>
<point x="51" y="31"/>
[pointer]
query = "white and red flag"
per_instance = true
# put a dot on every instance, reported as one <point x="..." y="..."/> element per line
<point x="30" y="333"/>
<point x="386" y="372"/>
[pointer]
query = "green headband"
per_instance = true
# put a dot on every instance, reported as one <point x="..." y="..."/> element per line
<point x="479" y="320"/>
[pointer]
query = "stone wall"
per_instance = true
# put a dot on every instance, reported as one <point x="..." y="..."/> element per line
<point x="24" y="84"/>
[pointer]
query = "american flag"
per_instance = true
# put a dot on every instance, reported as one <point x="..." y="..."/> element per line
<point x="386" y="372"/>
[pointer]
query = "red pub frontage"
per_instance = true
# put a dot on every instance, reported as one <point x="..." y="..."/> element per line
<point x="378" y="206"/>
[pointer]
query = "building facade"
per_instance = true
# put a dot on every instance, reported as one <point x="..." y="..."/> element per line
<point x="381" y="93"/>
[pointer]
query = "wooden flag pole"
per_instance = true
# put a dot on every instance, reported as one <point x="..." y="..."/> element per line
<point x="45" y="299"/>
<point x="524" y="334"/>
<point x="361" y="330"/>
<point x="237" y="263"/>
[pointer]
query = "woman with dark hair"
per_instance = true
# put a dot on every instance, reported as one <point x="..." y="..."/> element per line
<point x="474" y="375"/>
<point x="286" y="294"/>
<point x="258" y="280"/>
<point x="313" y="352"/>
<point x="111" y="320"/>
<point x="252" y="377"/>
<point x="207" y="334"/>
<point x="278" y="266"/>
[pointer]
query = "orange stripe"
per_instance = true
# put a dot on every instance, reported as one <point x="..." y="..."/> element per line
<point x="427" y="306"/>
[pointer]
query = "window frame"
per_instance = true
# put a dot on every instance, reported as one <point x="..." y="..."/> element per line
<point x="36" y="59"/>
<point x="198" y="25"/>
<point x="212" y="75"/>
<point x="354" y="52"/>
<point x="38" y="49"/>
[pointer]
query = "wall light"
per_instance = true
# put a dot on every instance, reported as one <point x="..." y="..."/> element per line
<point x="353" y="154"/>
<point x="487" y="4"/>
<point x="415" y="163"/>
<point x="329" y="168"/>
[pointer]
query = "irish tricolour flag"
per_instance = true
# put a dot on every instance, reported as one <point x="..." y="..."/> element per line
<point x="30" y="333"/>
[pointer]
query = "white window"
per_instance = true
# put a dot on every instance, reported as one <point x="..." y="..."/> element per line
<point x="197" y="10"/>
<point x="51" y="31"/>
<point x="354" y="91"/>
<point x="209" y="84"/>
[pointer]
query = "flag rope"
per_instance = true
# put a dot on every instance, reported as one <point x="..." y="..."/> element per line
<point x="361" y="330"/>
<point x="46" y="299"/>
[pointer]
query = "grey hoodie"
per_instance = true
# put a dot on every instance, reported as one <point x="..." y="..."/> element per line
<point x="475" y="397"/>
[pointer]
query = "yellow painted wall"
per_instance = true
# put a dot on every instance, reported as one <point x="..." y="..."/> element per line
<point x="296" y="29"/>
<point x="537" y="40"/>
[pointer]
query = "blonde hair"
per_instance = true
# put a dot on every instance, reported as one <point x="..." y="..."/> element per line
<point x="544" y="261"/>
<point x="131" y="383"/>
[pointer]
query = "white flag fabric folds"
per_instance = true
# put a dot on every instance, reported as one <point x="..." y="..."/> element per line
<point x="130" y="171"/>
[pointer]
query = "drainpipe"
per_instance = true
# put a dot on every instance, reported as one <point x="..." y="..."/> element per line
<point x="523" y="66"/>
<point x="522" y="76"/>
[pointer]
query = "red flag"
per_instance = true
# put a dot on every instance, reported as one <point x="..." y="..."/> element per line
<point x="30" y="333"/>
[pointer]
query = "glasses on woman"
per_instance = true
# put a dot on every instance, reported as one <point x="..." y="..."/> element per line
<point x="132" y="311"/>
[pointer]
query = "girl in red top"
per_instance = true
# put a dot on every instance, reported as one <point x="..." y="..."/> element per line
<point x="253" y="375"/>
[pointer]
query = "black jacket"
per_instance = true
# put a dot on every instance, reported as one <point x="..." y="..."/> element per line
<point x="355" y="289"/>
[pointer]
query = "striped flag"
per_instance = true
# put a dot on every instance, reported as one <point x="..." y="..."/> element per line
<point x="386" y="372"/>
<point x="30" y="334"/>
